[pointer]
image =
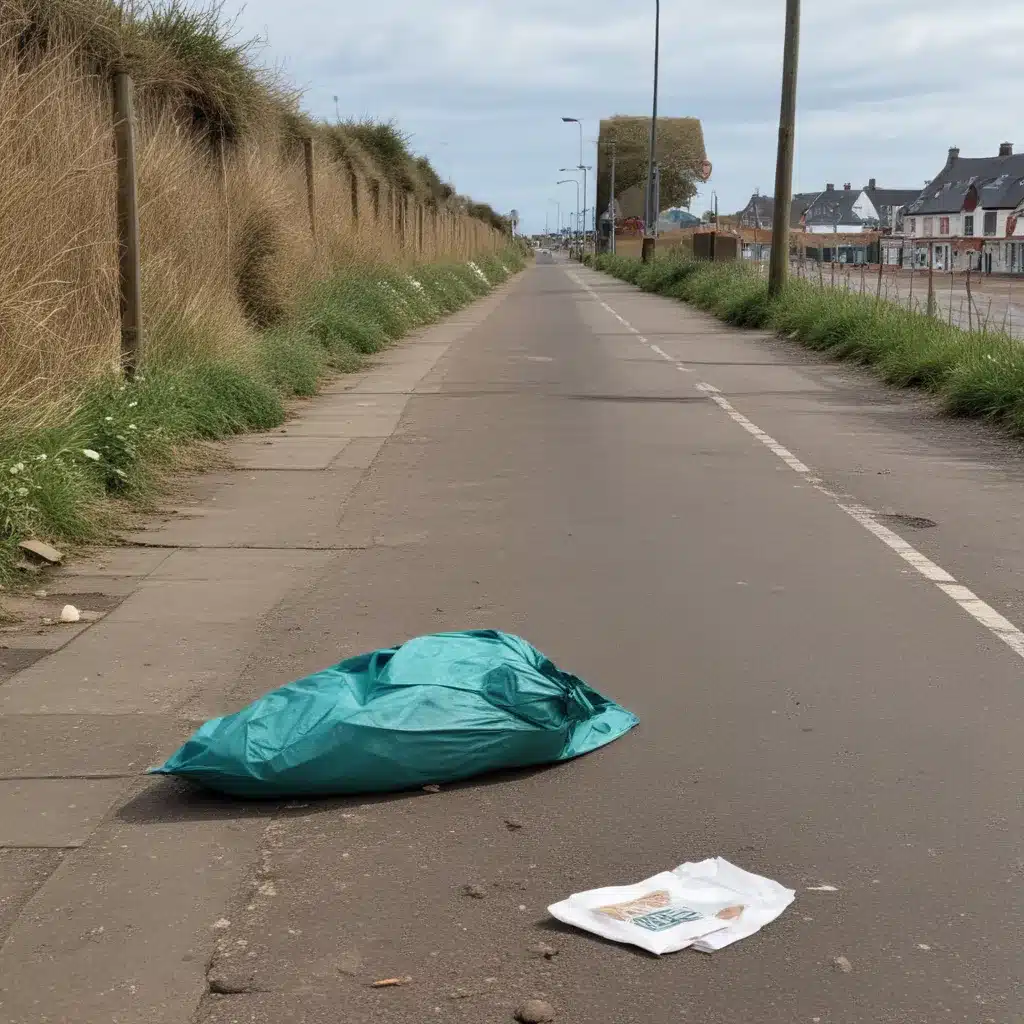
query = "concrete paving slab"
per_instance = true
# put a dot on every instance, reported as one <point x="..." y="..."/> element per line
<point x="115" y="562"/>
<point x="123" y="930"/>
<point x="359" y="453"/>
<point x="368" y="423"/>
<point x="122" y="668"/>
<point x="107" y="586"/>
<point x="271" y="569"/>
<point x="22" y="872"/>
<point x="35" y="637"/>
<point x="16" y="659"/>
<point x="265" y="509"/>
<point x="54" y="812"/>
<point x="287" y="453"/>
<point x="227" y="602"/>
<point x="84" y="745"/>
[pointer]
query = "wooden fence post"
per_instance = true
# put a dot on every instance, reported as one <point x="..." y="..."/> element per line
<point x="970" y="299"/>
<point x="129" y="257"/>
<point x="222" y="171"/>
<point x="307" y="150"/>
<point x="931" y="280"/>
<point x="353" y="184"/>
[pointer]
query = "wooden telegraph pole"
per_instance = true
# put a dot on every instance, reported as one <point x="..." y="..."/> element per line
<point x="307" y="153"/>
<point x="779" y="263"/>
<point x="129" y="258"/>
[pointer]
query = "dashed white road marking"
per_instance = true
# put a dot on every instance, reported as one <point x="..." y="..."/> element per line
<point x="979" y="610"/>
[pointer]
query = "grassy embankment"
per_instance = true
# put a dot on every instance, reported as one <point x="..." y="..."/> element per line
<point x="979" y="373"/>
<point x="243" y="308"/>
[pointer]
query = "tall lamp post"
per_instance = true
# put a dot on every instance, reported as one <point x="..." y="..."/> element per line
<point x="579" y="123"/>
<point x="574" y="181"/>
<point x="651" y="217"/>
<point x="581" y="213"/>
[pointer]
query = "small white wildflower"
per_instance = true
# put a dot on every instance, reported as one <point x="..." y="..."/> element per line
<point x="22" y="492"/>
<point x="90" y="454"/>
<point x="108" y="419"/>
<point x="13" y="471"/>
<point x="131" y="426"/>
<point x="41" y="457"/>
<point x="131" y="405"/>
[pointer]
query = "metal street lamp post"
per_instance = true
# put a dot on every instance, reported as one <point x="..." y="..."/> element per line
<point x="579" y="123"/>
<point x="574" y="181"/>
<point x="581" y="214"/>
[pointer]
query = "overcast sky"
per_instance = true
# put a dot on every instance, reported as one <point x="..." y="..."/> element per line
<point x="886" y="86"/>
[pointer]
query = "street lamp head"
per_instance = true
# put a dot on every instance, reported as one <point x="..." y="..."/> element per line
<point x="571" y="120"/>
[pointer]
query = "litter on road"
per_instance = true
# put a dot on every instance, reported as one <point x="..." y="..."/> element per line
<point x="437" y="709"/>
<point x="708" y="905"/>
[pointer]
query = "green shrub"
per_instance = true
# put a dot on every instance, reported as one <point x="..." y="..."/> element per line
<point x="292" y="362"/>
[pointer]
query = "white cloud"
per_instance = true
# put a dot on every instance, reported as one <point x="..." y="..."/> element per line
<point x="885" y="87"/>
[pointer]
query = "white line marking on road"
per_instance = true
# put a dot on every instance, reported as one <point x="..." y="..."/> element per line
<point x="661" y="352"/>
<point x="979" y="610"/>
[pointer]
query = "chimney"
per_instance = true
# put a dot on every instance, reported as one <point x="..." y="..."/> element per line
<point x="871" y="184"/>
<point x="954" y="155"/>
<point x="846" y="186"/>
<point x="1006" y="149"/>
<point x="830" y="187"/>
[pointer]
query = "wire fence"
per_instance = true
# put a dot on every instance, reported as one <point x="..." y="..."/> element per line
<point x="970" y="301"/>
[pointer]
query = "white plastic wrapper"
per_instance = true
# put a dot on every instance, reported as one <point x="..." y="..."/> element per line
<point x="707" y="905"/>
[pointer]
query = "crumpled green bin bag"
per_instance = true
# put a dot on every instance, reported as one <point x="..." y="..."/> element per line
<point x="437" y="709"/>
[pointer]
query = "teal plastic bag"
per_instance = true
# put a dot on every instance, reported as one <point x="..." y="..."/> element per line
<point x="437" y="709"/>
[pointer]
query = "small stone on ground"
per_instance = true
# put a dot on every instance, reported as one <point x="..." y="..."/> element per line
<point x="535" y="1011"/>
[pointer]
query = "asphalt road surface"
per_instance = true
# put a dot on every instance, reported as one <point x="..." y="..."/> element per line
<point x="814" y="705"/>
<point x="805" y="585"/>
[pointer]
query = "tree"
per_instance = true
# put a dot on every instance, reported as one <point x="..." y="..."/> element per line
<point x="680" y="150"/>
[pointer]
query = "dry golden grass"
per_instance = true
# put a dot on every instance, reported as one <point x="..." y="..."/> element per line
<point x="189" y="290"/>
<point x="223" y="254"/>
<point x="58" y="260"/>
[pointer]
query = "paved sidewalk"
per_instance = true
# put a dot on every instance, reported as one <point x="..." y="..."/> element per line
<point x="109" y="889"/>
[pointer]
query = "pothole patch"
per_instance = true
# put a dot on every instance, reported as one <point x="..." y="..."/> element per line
<point x="909" y="522"/>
